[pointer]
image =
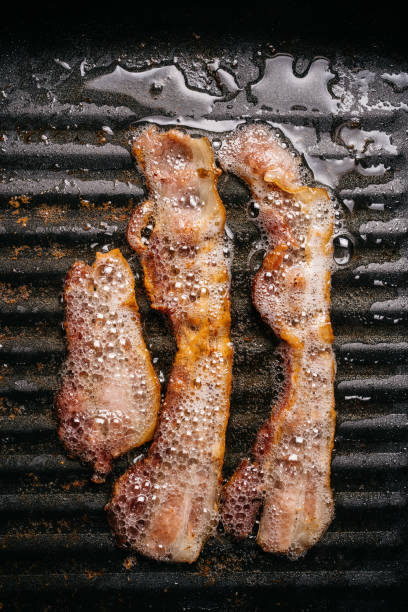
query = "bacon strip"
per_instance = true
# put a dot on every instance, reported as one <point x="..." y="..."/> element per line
<point x="290" y="470"/>
<point x="166" y="505"/>
<point x="110" y="395"/>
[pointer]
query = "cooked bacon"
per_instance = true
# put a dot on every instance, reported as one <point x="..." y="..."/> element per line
<point x="166" y="505"/>
<point x="110" y="395"/>
<point x="290" y="470"/>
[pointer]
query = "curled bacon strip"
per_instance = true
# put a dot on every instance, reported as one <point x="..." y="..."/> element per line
<point x="166" y="505"/>
<point x="290" y="470"/>
<point x="110" y="395"/>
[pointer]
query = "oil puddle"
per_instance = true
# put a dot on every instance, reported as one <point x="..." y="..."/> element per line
<point x="364" y="143"/>
<point x="162" y="89"/>
<point x="281" y="89"/>
<point x="206" y="125"/>
<point x="225" y="80"/>
<point x="375" y="170"/>
<point x="358" y="91"/>
<point x="303" y="139"/>
<point x="398" y="81"/>
<point x="329" y="170"/>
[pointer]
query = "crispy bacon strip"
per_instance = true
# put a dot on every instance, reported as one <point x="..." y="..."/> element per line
<point x="110" y="395"/>
<point x="290" y="470"/>
<point x="166" y="505"/>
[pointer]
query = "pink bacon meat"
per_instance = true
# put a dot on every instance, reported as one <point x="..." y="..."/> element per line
<point x="166" y="505"/>
<point x="290" y="470"/>
<point x="110" y="395"/>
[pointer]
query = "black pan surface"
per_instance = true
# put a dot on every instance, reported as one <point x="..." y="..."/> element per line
<point x="67" y="185"/>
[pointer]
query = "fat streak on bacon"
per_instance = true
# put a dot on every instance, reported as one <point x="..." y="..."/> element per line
<point x="289" y="473"/>
<point x="166" y="505"/>
<point x="110" y="395"/>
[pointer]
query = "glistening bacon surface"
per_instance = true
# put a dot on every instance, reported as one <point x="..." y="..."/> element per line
<point x="290" y="470"/>
<point x="166" y="505"/>
<point x="110" y="395"/>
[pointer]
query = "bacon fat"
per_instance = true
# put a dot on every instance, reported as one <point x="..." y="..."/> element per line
<point x="166" y="505"/>
<point x="110" y="395"/>
<point x="290" y="470"/>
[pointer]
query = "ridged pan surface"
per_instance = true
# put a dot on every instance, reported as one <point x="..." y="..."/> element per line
<point x="67" y="186"/>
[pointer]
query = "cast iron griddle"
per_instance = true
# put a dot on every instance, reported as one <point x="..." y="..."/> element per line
<point x="66" y="150"/>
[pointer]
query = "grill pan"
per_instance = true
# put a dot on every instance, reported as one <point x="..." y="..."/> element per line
<point x="80" y="184"/>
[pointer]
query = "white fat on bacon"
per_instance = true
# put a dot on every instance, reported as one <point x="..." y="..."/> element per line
<point x="289" y="474"/>
<point x="166" y="505"/>
<point x="110" y="395"/>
